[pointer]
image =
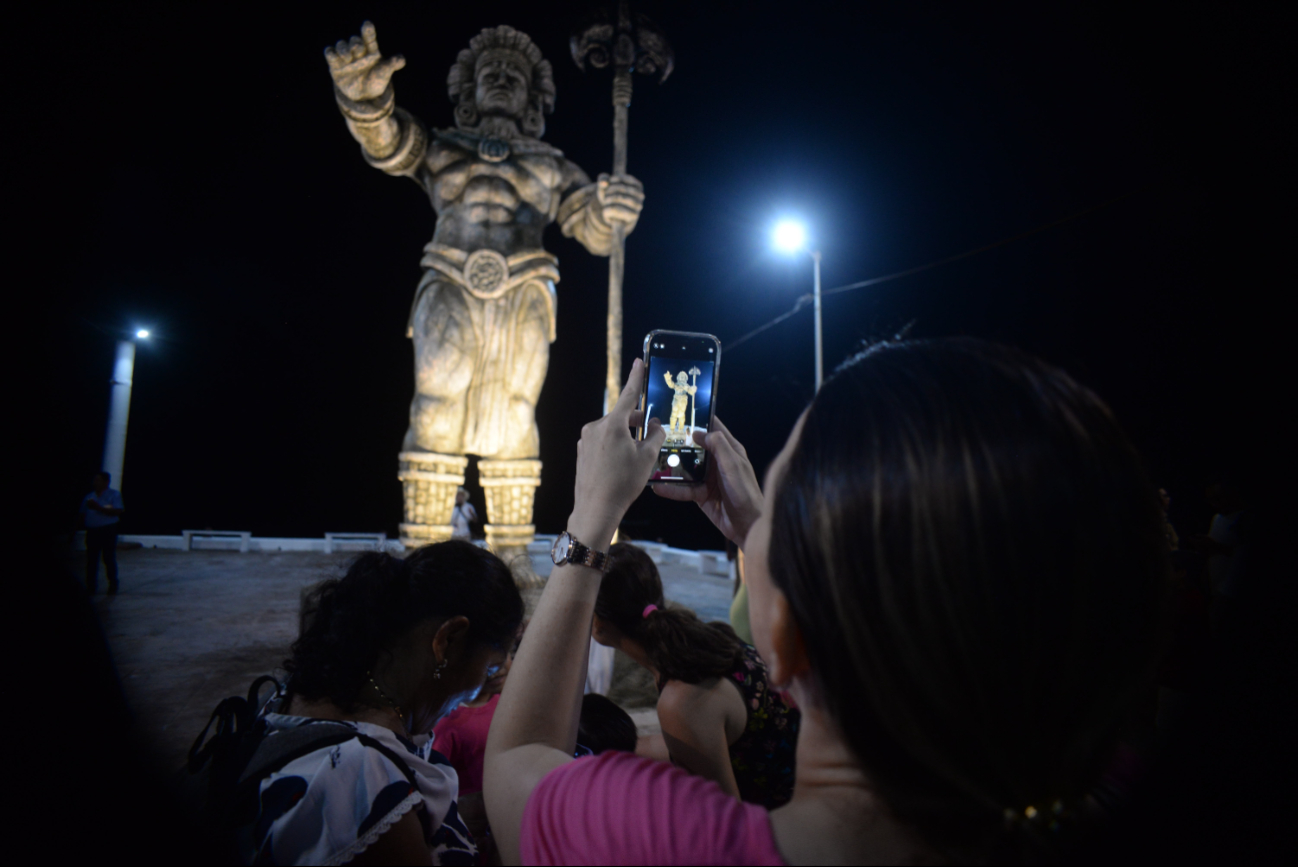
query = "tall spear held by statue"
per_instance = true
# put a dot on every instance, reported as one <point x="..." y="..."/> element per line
<point x="694" y="372"/>
<point x="630" y="44"/>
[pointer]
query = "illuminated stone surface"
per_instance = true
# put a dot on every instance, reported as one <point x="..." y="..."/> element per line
<point x="483" y="315"/>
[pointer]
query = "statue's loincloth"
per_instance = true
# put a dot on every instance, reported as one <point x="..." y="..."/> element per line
<point x="500" y="295"/>
<point x="487" y="275"/>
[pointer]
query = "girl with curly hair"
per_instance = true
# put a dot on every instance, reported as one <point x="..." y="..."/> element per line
<point x="387" y="650"/>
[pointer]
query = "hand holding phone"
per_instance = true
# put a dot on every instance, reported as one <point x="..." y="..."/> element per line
<point x="730" y="495"/>
<point x="612" y="466"/>
<point x="680" y="390"/>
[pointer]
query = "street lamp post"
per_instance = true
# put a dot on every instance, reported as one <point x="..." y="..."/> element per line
<point x="119" y="408"/>
<point x="791" y="237"/>
<point x="820" y="352"/>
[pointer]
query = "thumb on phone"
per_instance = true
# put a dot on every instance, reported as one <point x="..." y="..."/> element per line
<point x="654" y="436"/>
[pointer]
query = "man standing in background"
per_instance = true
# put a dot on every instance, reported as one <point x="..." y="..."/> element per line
<point x="101" y="512"/>
<point x="462" y="516"/>
<point x="1225" y="545"/>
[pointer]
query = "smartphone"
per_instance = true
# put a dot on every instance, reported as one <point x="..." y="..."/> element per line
<point x="680" y="390"/>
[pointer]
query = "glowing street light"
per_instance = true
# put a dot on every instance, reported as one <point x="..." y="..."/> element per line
<point x="791" y="237"/>
<point x="119" y="408"/>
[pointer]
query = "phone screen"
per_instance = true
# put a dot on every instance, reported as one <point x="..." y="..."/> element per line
<point x="680" y="392"/>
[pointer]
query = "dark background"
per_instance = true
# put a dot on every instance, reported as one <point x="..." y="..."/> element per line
<point x="184" y="168"/>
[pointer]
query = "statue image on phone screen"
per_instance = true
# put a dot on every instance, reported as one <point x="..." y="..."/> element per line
<point x="679" y="394"/>
<point x="680" y="400"/>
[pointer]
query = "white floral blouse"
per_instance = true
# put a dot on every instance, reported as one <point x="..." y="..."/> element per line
<point x="330" y="805"/>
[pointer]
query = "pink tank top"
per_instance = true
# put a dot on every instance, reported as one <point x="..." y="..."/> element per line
<point x="619" y="808"/>
<point x="461" y="736"/>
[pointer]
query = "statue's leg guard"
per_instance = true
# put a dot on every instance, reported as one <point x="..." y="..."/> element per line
<point x="429" y="481"/>
<point x="510" y="487"/>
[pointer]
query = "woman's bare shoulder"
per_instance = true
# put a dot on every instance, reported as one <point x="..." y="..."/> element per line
<point x="682" y="700"/>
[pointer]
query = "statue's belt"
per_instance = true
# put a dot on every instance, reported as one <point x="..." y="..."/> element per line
<point x="487" y="274"/>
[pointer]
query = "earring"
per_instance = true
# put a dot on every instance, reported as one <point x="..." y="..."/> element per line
<point x="437" y="672"/>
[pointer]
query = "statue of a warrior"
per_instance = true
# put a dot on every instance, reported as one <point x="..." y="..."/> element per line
<point x="483" y="316"/>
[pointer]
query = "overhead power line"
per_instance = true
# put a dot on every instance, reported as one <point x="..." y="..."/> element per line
<point x="805" y="300"/>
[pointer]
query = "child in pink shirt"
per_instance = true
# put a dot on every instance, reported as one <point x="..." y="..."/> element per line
<point x="461" y="736"/>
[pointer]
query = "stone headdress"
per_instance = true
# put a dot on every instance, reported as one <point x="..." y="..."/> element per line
<point x="518" y="48"/>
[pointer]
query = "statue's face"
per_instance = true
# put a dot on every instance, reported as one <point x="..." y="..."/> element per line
<point x="682" y="379"/>
<point x="502" y="89"/>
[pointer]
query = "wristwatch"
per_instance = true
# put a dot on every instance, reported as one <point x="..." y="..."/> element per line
<point x="567" y="549"/>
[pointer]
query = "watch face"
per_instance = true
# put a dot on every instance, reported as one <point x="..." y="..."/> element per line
<point x="559" y="551"/>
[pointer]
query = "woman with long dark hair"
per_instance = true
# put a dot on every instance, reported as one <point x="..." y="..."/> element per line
<point x="386" y="650"/>
<point x="720" y="718"/>
<point x="956" y="566"/>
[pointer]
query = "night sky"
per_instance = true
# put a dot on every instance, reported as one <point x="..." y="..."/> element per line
<point x="190" y="173"/>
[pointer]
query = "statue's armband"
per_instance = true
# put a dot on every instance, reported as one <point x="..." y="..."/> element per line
<point x="411" y="147"/>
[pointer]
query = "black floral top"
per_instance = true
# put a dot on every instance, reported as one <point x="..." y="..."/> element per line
<point x="763" y="757"/>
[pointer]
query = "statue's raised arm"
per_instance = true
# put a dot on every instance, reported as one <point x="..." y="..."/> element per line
<point x="363" y="87"/>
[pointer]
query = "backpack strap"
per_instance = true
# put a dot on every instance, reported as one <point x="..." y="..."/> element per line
<point x="254" y="693"/>
<point x="233" y="717"/>
<point x="278" y="750"/>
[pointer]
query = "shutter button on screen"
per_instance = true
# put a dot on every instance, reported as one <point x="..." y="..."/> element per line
<point x="673" y="460"/>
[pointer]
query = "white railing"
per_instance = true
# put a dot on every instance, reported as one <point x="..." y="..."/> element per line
<point x="243" y="537"/>
<point x="367" y="541"/>
<point x="204" y="540"/>
<point x="706" y="562"/>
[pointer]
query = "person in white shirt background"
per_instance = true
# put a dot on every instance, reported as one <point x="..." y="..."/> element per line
<point x="462" y="516"/>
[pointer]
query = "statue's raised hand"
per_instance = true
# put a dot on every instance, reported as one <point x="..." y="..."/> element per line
<point x="359" y="71"/>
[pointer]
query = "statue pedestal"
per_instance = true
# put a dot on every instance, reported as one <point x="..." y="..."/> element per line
<point x="520" y="565"/>
<point x="509" y="535"/>
<point x="418" y="535"/>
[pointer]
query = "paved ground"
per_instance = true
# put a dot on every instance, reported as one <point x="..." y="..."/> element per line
<point x="190" y="628"/>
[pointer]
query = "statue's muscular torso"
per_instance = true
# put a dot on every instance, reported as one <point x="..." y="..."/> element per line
<point x="504" y="206"/>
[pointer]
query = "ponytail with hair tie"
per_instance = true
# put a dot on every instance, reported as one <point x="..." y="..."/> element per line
<point x="681" y="646"/>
